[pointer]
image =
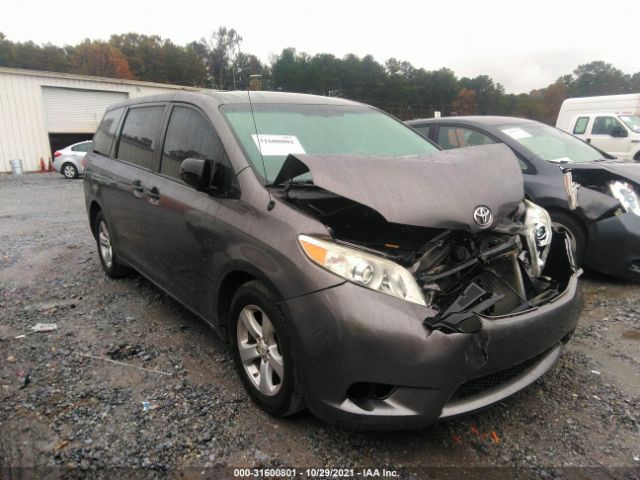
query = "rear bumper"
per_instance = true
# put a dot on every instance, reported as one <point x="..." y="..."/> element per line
<point x="350" y="335"/>
<point x="614" y="246"/>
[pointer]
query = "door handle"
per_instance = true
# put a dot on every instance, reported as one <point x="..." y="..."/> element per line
<point x="138" y="189"/>
<point x="153" y="194"/>
<point x="588" y="140"/>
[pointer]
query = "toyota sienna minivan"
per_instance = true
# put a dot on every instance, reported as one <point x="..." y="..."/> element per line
<point x="355" y="269"/>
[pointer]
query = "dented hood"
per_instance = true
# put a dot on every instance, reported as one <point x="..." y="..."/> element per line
<point x="628" y="170"/>
<point x="439" y="190"/>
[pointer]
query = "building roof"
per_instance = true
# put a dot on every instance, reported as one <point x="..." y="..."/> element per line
<point x="73" y="76"/>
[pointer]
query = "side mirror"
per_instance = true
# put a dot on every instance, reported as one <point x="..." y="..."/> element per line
<point x="619" y="132"/>
<point x="196" y="172"/>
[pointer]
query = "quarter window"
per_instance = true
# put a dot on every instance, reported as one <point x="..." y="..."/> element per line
<point x="189" y="135"/>
<point x="140" y="134"/>
<point x="458" y="137"/>
<point x="605" y="125"/>
<point x="581" y="125"/>
<point x="423" y="130"/>
<point x="103" y="138"/>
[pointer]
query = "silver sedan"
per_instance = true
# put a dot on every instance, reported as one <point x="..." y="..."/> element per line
<point x="68" y="161"/>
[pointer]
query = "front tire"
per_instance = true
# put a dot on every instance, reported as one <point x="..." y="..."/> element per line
<point x="577" y="233"/>
<point x="261" y="344"/>
<point x="70" y="171"/>
<point x="108" y="258"/>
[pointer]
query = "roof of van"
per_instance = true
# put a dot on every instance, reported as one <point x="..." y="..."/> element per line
<point x="226" y="97"/>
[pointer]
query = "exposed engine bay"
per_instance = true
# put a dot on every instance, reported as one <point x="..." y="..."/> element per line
<point x="516" y="265"/>
<point x="443" y="231"/>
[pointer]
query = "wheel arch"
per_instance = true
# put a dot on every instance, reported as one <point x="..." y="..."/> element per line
<point x="94" y="208"/>
<point x="236" y="275"/>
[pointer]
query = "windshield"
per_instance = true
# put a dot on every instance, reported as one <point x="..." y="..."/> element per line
<point x="550" y="143"/>
<point x="631" y="121"/>
<point x="285" y="129"/>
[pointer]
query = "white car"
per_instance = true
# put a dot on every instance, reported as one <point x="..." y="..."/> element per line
<point x="68" y="161"/>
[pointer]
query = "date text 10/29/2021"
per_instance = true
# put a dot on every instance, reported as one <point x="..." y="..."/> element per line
<point x="315" y="473"/>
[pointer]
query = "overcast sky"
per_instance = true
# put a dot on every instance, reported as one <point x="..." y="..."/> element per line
<point x="522" y="44"/>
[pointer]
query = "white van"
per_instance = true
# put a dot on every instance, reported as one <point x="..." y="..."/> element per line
<point x="610" y="123"/>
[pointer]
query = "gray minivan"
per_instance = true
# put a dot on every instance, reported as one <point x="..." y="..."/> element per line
<point x="354" y="268"/>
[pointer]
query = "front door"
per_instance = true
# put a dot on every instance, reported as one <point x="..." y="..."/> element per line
<point x="181" y="225"/>
<point x="602" y="136"/>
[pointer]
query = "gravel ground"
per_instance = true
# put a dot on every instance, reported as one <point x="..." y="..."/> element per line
<point x="173" y="402"/>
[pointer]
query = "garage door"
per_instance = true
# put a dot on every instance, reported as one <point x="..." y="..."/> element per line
<point x="78" y="111"/>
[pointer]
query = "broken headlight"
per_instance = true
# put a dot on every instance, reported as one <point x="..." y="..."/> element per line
<point x="625" y="194"/>
<point x="363" y="268"/>
<point x="537" y="231"/>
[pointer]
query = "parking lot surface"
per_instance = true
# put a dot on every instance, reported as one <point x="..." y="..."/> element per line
<point x="129" y="378"/>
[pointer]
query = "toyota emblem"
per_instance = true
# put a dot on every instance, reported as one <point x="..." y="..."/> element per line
<point x="482" y="216"/>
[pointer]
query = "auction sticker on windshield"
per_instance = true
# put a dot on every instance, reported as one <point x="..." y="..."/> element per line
<point x="516" y="133"/>
<point x="278" y="145"/>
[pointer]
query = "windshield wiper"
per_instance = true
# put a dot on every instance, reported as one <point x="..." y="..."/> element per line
<point x="292" y="184"/>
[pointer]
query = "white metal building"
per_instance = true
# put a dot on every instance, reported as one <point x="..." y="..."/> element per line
<point x="41" y="112"/>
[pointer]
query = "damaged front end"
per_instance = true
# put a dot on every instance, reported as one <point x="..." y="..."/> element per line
<point x="495" y="273"/>
<point x="500" y="260"/>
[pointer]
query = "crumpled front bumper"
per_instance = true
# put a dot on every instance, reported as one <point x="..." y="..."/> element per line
<point x="614" y="246"/>
<point x="348" y="334"/>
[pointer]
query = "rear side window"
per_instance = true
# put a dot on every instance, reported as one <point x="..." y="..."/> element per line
<point x="189" y="135"/>
<point x="459" y="137"/>
<point x="140" y="135"/>
<point x="103" y="138"/>
<point x="581" y="125"/>
<point x="82" y="147"/>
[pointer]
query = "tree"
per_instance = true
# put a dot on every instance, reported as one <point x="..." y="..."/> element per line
<point x="488" y="94"/>
<point x="635" y="83"/>
<point x="598" y="78"/>
<point x="101" y="59"/>
<point x="245" y="65"/>
<point x="183" y="65"/>
<point x="224" y="46"/>
<point x="7" y="51"/>
<point x="144" y="54"/>
<point x="465" y="102"/>
<point x="289" y="71"/>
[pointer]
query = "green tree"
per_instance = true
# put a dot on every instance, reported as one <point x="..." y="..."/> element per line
<point x="224" y="46"/>
<point x="598" y="78"/>
<point x="7" y="51"/>
<point x="183" y="65"/>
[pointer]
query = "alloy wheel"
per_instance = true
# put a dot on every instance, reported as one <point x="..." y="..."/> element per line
<point x="106" y="250"/>
<point x="259" y="350"/>
<point x="69" y="171"/>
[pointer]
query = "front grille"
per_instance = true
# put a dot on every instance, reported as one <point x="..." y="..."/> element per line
<point x="479" y="385"/>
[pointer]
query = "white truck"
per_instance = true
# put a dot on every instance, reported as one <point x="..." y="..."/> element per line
<point x="610" y="123"/>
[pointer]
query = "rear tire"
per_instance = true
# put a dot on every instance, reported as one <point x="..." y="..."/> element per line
<point x="108" y="258"/>
<point x="69" y="170"/>
<point x="576" y="230"/>
<point x="259" y="329"/>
